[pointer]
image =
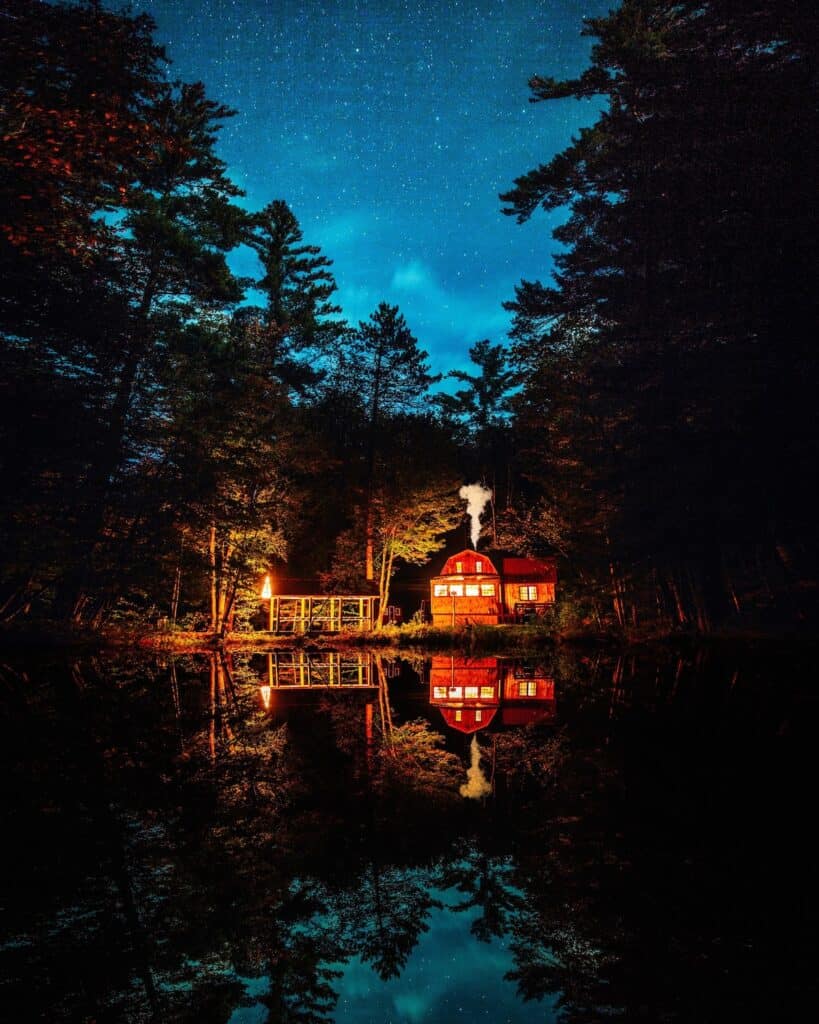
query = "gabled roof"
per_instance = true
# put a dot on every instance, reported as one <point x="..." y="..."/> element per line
<point x="468" y="559"/>
<point x="543" y="570"/>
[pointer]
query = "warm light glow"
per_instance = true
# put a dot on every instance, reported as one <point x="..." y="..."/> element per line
<point x="265" y="691"/>
<point x="267" y="589"/>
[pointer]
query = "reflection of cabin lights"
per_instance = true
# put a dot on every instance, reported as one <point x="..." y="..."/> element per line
<point x="267" y="589"/>
<point x="265" y="692"/>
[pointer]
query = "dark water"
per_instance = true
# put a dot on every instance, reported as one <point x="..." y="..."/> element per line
<point x="348" y="838"/>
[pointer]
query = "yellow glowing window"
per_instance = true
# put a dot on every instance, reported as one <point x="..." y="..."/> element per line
<point x="487" y="692"/>
<point x="459" y="567"/>
<point x="527" y="689"/>
<point x="527" y="593"/>
<point x="479" y="715"/>
<point x="455" y="692"/>
<point x="488" y="589"/>
<point x="439" y="692"/>
<point x="471" y="692"/>
<point x="479" y="567"/>
<point x="472" y="590"/>
<point x="440" y="590"/>
<point x="458" y="716"/>
<point x="456" y="590"/>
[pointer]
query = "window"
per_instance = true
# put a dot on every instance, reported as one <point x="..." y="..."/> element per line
<point x="488" y="589"/>
<point x="527" y="593"/>
<point x="479" y="715"/>
<point x="456" y="590"/>
<point x="459" y="567"/>
<point x="439" y="692"/>
<point x="472" y="590"/>
<point x="479" y="567"/>
<point x="440" y="590"/>
<point x="487" y="692"/>
<point x="455" y="692"/>
<point x="471" y="692"/>
<point x="527" y="689"/>
<point x="459" y="715"/>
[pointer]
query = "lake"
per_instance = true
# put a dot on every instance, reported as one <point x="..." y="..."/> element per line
<point x="353" y="837"/>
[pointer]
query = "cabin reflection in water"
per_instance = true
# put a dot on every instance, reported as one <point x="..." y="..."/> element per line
<point x="471" y="693"/>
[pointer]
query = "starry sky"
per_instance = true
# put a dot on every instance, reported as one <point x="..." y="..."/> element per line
<point x="390" y="127"/>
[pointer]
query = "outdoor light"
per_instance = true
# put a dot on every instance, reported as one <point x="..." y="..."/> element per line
<point x="267" y="595"/>
<point x="265" y="692"/>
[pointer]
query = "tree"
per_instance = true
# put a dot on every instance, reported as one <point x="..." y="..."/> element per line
<point x="394" y="376"/>
<point x="298" y="285"/>
<point x="679" y="295"/>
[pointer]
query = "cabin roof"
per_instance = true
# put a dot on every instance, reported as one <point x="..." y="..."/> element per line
<point x="542" y="569"/>
<point x="468" y="559"/>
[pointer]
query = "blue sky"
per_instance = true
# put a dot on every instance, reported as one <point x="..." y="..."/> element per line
<point x="390" y="127"/>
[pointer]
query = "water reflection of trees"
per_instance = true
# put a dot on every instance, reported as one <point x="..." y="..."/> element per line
<point x="179" y="841"/>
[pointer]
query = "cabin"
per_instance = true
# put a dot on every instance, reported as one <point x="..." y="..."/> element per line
<point x="471" y="591"/>
<point x="467" y="592"/>
<point x="529" y="586"/>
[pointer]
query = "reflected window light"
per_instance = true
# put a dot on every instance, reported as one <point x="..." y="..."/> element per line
<point x="487" y="692"/>
<point x="440" y="590"/>
<point x="459" y="715"/>
<point x="455" y="692"/>
<point x="471" y="692"/>
<point x="479" y="566"/>
<point x="527" y="689"/>
<point x="472" y="590"/>
<point x="478" y="715"/>
<point x="488" y="589"/>
<point x="439" y="692"/>
<point x="456" y="590"/>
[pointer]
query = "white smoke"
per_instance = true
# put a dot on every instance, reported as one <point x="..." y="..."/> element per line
<point x="477" y="785"/>
<point x="476" y="496"/>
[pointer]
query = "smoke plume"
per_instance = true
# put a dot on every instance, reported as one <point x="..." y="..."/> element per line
<point x="476" y="496"/>
<point x="476" y="785"/>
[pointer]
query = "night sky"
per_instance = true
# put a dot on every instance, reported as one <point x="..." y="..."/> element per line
<point x="390" y="127"/>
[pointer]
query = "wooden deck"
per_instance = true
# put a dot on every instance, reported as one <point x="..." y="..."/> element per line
<point x="321" y="613"/>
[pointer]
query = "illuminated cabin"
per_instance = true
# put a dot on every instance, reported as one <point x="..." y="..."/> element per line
<point x="467" y="592"/>
<point x="529" y="586"/>
<point x="471" y="591"/>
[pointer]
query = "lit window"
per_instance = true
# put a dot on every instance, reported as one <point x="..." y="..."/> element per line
<point x="488" y="589"/>
<point x="455" y="692"/>
<point x="459" y="567"/>
<point x="471" y="692"/>
<point x="527" y="593"/>
<point x="527" y="689"/>
<point x="440" y="590"/>
<point x="456" y="590"/>
<point x="478" y="715"/>
<point x="472" y="590"/>
<point x="479" y="567"/>
<point x="439" y="692"/>
<point x="458" y="716"/>
<point x="487" y="692"/>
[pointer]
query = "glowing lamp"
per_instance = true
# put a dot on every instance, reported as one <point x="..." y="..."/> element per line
<point x="265" y="691"/>
<point x="267" y="589"/>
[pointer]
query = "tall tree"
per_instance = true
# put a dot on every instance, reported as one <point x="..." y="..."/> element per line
<point x="300" y="316"/>
<point x="681" y="292"/>
<point x="394" y="377"/>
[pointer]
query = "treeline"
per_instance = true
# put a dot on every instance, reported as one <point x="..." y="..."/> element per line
<point x="667" y="425"/>
<point x="164" y="441"/>
<point x="170" y="432"/>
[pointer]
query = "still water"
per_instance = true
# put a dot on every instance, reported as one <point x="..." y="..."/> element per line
<point x="349" y="837"/>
